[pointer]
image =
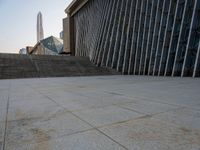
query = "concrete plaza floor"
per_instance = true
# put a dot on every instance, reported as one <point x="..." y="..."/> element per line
<point x="100" y="113"/>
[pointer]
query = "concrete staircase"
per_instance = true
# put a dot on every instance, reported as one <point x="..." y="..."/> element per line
<point x="28" y="66"/>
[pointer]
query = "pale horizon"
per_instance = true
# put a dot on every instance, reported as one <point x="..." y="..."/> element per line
<point x="19" y="19"/>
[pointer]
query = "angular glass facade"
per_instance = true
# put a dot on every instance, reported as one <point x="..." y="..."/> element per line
<point x="49" y="46"/>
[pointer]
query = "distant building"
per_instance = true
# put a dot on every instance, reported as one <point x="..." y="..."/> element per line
<point x="61" y="35"/>
<point x="48" y="46"/>
<point x="40" y="32"/>
<point x="23" y="51"/>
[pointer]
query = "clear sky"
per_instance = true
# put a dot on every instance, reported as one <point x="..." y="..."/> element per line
<point x="18" y="20"/>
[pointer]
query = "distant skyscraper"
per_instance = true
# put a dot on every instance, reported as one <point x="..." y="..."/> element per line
<point x="40" y="33"/>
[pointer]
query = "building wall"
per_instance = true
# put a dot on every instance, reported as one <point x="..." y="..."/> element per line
<point x="66" y="39"/>
<point x="141" y="37"/>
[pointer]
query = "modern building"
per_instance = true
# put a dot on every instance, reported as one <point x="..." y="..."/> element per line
<point x="22" y="51"/>
<point x="140" y="37"/>
<point x="40" y="32"/>
<point x="48" y="46"/>
<point x="61" y="35"/>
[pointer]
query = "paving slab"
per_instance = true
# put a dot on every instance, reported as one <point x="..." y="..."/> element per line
<point x="71" y="101"/>
<point x="176" y="91"/>
<point x="2" y="131"/>
<point x="106" y="97"/>
<point x="84" y="103"/>
<point x="34" y="130"/>
<point x="34" y="110"/>
<point x="3" y="105"/>
<point x="78" y="100"/>
<point x="3" y="97"/>
<point x="29" y="97"/>
<point x="3" y="112"/>
<point x="29" y="101"/>
<point x="89" y="140"/>
<point x="182" y="117"/>
<point x="152" y="134"/>
<point x="148" y="107"/>
<point x="107" y="115"/>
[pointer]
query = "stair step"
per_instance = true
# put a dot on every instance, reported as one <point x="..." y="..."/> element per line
<point x="25" y="66"/>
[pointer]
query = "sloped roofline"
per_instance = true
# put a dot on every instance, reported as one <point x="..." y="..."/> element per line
<point x="75" y="6"/>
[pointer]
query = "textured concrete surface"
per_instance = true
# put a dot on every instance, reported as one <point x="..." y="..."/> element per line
<point x="102" y="112"/>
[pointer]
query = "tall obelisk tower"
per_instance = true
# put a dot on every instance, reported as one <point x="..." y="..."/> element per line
<point x="40" y="33"/>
